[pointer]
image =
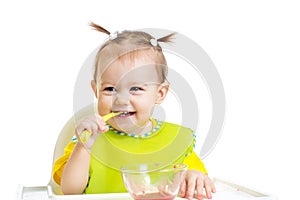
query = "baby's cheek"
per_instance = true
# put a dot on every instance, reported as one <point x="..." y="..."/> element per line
<point x="104" y="106"/>
<point x="144" y="116"/>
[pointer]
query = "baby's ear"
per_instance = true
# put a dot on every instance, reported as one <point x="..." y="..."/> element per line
<point x="95" y="88"/>
<point x="162" y="93"/>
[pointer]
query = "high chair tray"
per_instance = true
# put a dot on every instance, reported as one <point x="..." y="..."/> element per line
<point x="225" y="191"/>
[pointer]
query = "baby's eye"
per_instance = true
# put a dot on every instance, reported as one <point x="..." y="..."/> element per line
<point x="136" y="90"/>
<point x="109" y="90"/>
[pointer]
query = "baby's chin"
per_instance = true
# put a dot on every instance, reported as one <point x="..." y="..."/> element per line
<point x="129" y="128"/>
<point x="126" y="130"/>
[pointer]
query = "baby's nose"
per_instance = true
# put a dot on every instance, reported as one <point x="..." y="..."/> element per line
<point x="122" y="98"/>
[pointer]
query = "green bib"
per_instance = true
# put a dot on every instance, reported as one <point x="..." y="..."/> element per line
<point x="169" y="144"/>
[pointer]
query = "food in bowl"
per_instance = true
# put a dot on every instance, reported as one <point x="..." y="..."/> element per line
<point x="153" y="181"/>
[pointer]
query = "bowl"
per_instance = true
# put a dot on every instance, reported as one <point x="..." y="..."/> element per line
<point x="153" y="181"/>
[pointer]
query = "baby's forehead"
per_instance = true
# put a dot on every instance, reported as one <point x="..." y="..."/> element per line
<point x="138" y="70"/>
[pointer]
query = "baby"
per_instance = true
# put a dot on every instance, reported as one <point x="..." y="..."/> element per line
<point x="130" y="77"/>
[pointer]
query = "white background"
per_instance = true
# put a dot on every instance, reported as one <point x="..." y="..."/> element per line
<point x="255" y="46"/>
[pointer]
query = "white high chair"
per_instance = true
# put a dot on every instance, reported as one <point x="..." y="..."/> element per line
<point x="65" y="137"/>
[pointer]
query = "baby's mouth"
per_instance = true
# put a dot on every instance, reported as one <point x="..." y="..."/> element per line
<point x="125" y="113"/>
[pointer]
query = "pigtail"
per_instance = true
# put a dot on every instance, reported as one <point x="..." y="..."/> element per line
<point x="99" y="28"/>
<point x="167" y="38"/>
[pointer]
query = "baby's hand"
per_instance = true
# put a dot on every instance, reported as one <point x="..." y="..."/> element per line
<point x="93" y="124"/>
<point x="196" y="181"/>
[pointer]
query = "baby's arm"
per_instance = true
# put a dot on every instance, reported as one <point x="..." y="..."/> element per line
<point x="75" y="175"/>
<point x="76" y="171"/>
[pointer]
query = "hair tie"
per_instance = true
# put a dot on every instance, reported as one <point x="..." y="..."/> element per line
<point x="113" y="36"/>
<point x="153" y="42"/>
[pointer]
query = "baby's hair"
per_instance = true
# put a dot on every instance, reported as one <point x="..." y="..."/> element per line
<point x="99" y="28"/>
<point x="167" y="38"/>
<point x="132" y="44"/>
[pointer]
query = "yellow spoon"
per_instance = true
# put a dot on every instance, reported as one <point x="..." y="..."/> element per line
<point x="85" y="135"/>
<point x="110" y="115"/>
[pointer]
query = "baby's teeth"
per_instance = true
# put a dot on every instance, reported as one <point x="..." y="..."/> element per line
<point x="124" y="113"/>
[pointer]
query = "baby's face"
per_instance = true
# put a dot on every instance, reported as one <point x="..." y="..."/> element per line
<point x="131" y="87"/>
